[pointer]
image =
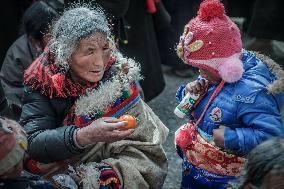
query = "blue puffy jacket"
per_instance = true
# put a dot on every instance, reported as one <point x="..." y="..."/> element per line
<point x="249" y="111"/>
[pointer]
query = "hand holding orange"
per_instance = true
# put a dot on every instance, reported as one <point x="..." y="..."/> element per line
<point x="131" y="121"/>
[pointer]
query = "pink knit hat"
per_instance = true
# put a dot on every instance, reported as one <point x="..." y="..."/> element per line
<point x="212" y="41"/>
<point x="13" y="144"/>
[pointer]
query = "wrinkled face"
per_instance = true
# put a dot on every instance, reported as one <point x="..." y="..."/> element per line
<point x="88" y="62"/>
<point x="212" y="78"/>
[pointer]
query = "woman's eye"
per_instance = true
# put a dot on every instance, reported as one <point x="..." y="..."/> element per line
<point x="106" y="48"/>
<point x="90" y="51"/>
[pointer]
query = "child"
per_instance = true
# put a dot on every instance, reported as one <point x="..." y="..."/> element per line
<point x="239" y="104"/>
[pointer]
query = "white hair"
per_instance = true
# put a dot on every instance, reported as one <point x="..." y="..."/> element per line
<point x="76" y="24"/>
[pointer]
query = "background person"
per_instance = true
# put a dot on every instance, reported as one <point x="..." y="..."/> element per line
<point x="36" y="21"/>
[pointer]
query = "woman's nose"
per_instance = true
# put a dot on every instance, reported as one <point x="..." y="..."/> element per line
<point x="98" y="60"/>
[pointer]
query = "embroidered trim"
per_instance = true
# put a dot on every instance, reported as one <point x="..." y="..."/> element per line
<point x="124" y="72"/>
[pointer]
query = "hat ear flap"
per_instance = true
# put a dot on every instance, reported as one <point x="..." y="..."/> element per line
<point x="231" y="70"/>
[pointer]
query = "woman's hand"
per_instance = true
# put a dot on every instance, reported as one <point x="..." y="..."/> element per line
<point x="106" y="129"/>
<point x="197" y="87"/>
<point x="218" y="136"/>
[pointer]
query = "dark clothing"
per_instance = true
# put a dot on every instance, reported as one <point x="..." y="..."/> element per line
<point x="18" y="58"/>
<point x="142" y="46"/>
<point x="181" y="11"/>
<point x="4" y="107"/>
<point x="26" y="181"/>
<point x="115" y="8"/>
<point x="46" y="127"/>
<point x="10" y="20"/>
<point x="264" y="19"/>
<point x="267" y="20"/>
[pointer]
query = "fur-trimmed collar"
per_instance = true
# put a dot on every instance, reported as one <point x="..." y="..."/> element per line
<point x="277" y="86"/>
<point x="124" y="72"/>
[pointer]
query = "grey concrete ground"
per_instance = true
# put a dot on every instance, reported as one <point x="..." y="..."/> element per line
<point x="163" y="106"/>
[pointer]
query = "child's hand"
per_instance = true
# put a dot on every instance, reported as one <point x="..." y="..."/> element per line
<point x="218" y="136"/>
<point x="197" y="87"/>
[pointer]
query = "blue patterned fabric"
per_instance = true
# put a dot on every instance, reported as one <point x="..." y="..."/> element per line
<point x="196" y="178"/>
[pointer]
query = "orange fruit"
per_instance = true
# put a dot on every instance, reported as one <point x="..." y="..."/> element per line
<point x="131" y="122"/>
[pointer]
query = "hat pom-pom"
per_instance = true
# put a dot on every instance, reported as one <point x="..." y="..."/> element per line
<point x="231" y="70"/>
<point x="210" y="9"/>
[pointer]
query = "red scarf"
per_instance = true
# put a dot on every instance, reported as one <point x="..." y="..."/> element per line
<point x="49" y="76"/>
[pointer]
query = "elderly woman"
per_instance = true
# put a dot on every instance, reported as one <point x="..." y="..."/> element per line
<point x="75" y="91"/>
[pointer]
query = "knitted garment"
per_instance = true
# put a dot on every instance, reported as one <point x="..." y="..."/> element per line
<point x="129" y="97"/>
<point x="108" y="177"/>
<point x="51" y="77"/>
<point x="212" y="41"/>
<point x="92" y="176"/>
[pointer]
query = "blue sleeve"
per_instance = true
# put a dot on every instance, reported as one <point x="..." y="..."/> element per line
<point x="180" y="93"/>
<point x="261" y="121"/>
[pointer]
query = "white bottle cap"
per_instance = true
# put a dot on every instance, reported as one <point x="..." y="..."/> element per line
<point x="179" y="113"/>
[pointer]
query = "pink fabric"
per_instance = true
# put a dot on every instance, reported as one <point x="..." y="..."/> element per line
<point x="231" y="70"/>
<point x="221" y="39"/>
<point x="151" y="5"/>
<point x="13" y="144"/>
<point x="44" y="74"/>
<point x="8" y="142"/>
